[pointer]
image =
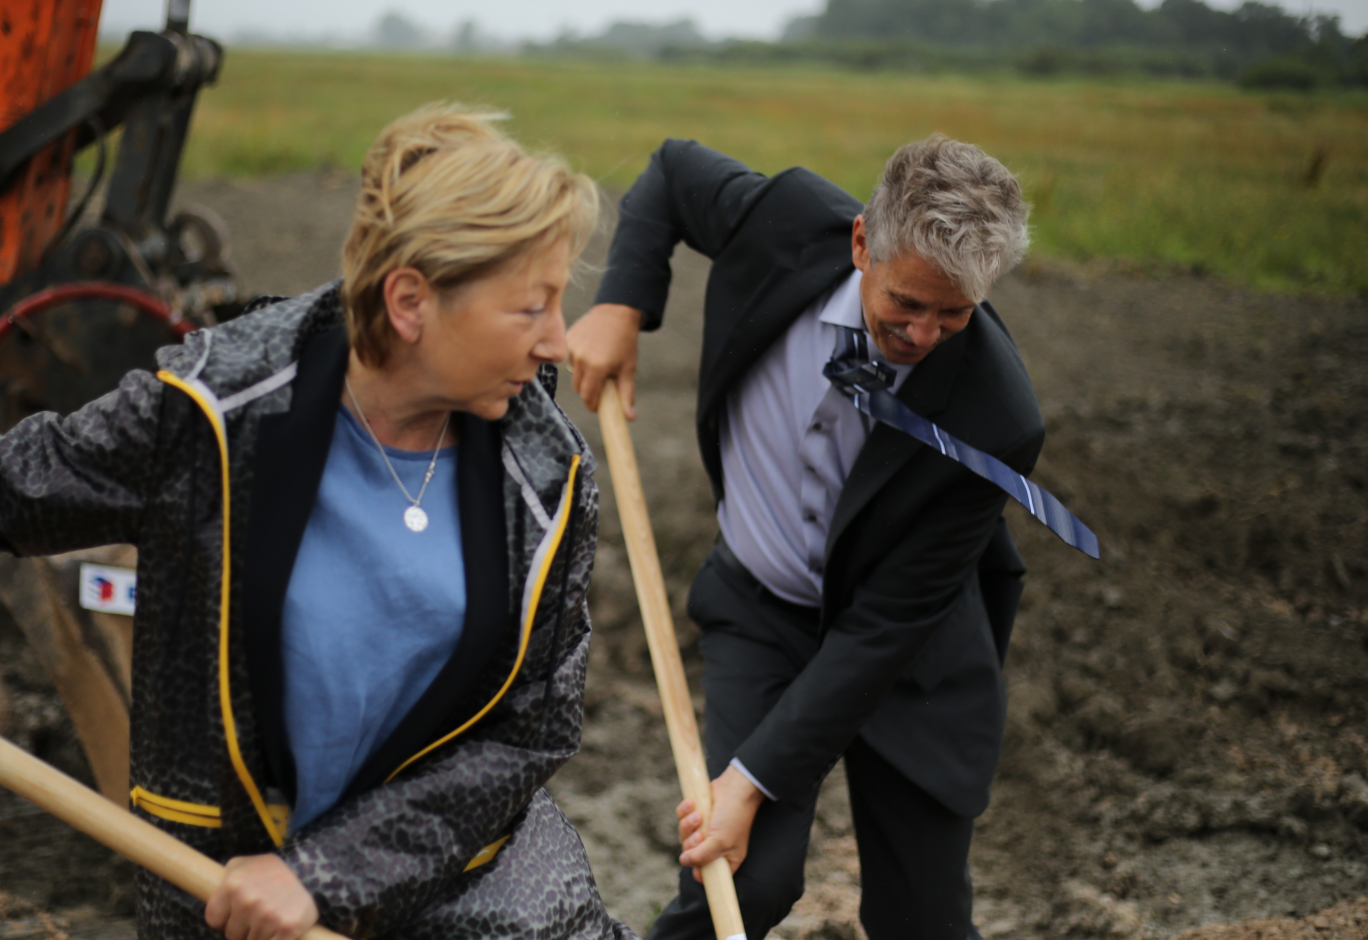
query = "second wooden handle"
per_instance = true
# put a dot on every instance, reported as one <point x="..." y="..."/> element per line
<point x="139" y="841"/>
<point x="660" y="638"/>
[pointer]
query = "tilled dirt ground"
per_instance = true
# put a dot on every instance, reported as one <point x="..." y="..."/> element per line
<point x="1187" y="742"/>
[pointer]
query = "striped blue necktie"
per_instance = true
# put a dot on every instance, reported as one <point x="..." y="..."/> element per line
<point x="867" y="383"/>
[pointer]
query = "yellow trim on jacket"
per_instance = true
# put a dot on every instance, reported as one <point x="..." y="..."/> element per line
<point x="210" y="817"/>
<point x="201" y="396"/>
<point x="193" y="814"/>
<point x="486" y="854"/>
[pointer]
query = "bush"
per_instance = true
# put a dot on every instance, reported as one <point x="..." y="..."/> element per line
<point x="1045" y="62"/>
<point x="1358" y="61"/>
<point x="1283" y="72"/>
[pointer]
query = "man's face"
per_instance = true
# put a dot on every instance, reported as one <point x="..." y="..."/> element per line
<point x="910" y="307"/>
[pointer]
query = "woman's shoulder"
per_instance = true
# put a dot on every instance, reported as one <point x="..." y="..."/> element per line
<point x="260" y="345"/>
<point x="542" y="437"/>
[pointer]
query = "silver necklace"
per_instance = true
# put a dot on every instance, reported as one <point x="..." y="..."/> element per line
<point x="414" y="517"/>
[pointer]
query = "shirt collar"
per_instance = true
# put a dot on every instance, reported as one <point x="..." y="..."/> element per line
<point x="844" y="309"/>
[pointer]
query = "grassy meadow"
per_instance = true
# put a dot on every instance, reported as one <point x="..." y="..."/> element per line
<point x="1268" y="190"/>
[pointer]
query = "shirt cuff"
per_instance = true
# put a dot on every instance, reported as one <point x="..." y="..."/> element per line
<point x="747" y="774"/>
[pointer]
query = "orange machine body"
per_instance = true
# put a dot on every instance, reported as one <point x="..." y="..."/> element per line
<point x="45" y="47"/>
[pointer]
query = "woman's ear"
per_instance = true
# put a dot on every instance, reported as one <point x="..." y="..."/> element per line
<point x="407" y="295"/>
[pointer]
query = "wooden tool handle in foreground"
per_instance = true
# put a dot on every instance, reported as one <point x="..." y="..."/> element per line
<point x="660" y="637"/>
<point x="119" y="829"/>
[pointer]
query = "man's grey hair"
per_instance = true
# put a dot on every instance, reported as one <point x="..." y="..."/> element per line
<point x="952" y="205"/>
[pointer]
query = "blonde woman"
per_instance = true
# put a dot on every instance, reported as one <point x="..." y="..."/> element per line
<point x="365" y="535"/>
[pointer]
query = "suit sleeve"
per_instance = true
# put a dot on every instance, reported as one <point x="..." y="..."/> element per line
<point x="687" y="193"/>
<point x="81" y="480"/>
<point x="874" y="639"/>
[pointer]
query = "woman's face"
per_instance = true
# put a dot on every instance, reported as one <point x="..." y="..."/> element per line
<point x="482" y="342"/>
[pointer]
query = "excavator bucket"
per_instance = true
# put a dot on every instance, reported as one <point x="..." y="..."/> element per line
<point x="45" y="47"/>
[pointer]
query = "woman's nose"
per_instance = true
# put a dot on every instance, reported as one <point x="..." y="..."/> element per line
<point x="551" y="346"/>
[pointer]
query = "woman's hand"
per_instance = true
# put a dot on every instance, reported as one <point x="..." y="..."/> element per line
<point x="260" y="899"/>
<point x="603" y="345"/>
<point x="735" y="802"/>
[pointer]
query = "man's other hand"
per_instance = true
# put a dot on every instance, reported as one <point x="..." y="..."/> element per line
<point x="260" y="899"/>
<point x="603" y="345"/>
<point x="735" y="802"/>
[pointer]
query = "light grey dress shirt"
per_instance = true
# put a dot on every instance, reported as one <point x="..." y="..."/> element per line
<point x="788" y="442"/>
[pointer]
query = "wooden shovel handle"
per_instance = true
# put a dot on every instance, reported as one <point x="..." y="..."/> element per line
<point x="140" y="841"/>
<point x="660" y="637"/>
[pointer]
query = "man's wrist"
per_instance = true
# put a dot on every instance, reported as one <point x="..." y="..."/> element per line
<point x="741" y="769"/>
<point x="625" y="312"/>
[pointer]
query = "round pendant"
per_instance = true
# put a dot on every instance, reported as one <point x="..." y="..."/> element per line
<point x="415" y="519"/>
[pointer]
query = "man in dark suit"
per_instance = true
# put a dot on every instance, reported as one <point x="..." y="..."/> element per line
<point x="859" y="600"/>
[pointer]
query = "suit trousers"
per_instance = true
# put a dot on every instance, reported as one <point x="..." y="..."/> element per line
<point x="913" y="851"/>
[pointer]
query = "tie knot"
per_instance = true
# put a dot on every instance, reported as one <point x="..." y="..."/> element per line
<point x="851" y="370"/>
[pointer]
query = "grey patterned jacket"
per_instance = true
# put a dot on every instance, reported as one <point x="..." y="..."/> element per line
<point x="210" y="467"/>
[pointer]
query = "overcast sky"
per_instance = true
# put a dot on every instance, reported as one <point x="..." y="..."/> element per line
<point x="532" y="19"/>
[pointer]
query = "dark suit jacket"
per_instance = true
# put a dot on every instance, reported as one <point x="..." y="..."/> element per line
<point x="921" y="579"/>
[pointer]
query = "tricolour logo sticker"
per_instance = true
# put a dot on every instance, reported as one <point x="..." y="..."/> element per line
<point x="112" y="590"/>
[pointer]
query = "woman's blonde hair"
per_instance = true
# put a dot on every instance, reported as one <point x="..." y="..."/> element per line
<point x="444" y="192"/>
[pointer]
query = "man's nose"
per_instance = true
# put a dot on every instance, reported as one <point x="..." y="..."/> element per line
<point x="551" y="346"/>
<point x="924" y="329"/>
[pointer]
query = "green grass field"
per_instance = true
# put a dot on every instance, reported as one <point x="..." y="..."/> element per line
<point x="1196" y="175"/>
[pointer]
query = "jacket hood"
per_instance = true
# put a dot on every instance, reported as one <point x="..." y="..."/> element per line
<point x="252" y="348"/>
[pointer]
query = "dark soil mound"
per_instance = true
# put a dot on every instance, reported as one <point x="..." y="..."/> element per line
<point x="1188" y="735"/>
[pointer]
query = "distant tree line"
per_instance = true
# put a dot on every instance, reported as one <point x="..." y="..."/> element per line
<point x="1253" y="29"/>
<point x="630" y="39"/>
<point x="1258" y="43"/>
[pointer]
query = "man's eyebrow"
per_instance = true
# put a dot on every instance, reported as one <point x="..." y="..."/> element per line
<point x="912" y="303"/>
<point x="905" y="300"/>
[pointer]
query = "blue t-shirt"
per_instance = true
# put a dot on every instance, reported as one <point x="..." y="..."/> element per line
<point x="373" y="610"/>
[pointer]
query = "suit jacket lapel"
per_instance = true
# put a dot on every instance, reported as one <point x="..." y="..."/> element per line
<point x="292" y="448"/>
<point x="731" y="345"/>
<point x="927" y="392"/>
